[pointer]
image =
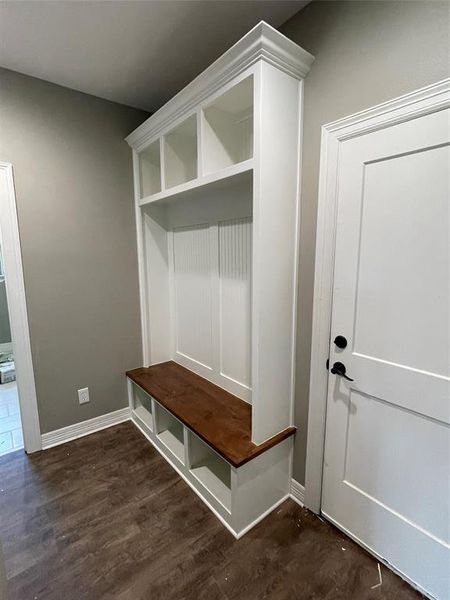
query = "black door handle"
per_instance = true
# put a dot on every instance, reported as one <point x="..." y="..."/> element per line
<point x="339" y="369"/>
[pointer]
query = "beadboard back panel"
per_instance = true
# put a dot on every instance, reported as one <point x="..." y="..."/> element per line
<point x="211" y="297"/>
<point x="192" y="276"/>
<point x="235" y="264"/>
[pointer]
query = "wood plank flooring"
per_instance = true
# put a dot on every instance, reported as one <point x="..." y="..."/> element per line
<point x="105" y="517"/>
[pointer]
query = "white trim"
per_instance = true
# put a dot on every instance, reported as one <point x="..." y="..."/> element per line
<point x="262" y="42"/>
<point x="410" y="106"/>
<point x="141" y="267"/>
<point x="297" y="492"/>
<point x="17" y="308"/>
<point x="73" y="432"/>
<point x="297" y="252"/>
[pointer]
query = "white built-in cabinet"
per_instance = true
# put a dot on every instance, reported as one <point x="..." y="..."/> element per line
<point x="216" y="175"/>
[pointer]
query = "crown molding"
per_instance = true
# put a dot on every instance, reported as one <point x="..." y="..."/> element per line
<point x="402" y="108"/>
<point x="263" y="42"/>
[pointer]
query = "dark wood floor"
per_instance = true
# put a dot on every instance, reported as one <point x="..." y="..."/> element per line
<point x="105" y="517"/>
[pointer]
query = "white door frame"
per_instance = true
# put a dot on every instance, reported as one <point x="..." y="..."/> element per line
<point x="427" y="100"/>
<point x="17" y="308"/>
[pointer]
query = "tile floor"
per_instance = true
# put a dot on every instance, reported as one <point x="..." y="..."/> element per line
<point x="10" y="426"/>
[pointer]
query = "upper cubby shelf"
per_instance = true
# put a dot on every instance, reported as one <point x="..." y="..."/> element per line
<point x="180" y="153"/>
<point x="228" y="128"/>
<point x="225" y="147"/>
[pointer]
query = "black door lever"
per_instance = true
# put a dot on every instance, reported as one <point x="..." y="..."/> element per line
<point x="339" y="369"/>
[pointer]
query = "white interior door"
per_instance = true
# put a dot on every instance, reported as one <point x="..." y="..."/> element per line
<point x="386" y="478"/>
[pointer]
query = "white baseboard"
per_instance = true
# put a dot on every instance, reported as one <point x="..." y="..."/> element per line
<point x="72" y="432"/>
<point x="297" y="492"/>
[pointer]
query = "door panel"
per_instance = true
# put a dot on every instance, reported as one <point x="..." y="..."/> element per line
<point x="404" y="240"/>
<point x="394" y="485"/>
<point x="387" y="448"/>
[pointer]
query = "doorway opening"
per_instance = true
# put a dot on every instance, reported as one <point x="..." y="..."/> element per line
<point x="11" y="436"/>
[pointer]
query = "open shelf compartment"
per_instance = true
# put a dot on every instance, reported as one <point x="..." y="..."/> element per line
<point x="228" y="128"/>
<point x="212" y="471"/>
<point x="180" y="153"/>
<point x="150" y="170"/>
<point x="142" y="406"/>
<point x="170" y="432"/>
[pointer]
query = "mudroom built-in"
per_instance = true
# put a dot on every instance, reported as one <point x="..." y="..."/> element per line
<point x="217" y="212"/>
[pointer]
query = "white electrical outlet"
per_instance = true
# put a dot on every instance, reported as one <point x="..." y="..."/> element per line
<point x="83" y="395"/>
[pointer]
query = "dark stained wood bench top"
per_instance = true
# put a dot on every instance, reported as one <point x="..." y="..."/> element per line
<point x="220" y="419"/>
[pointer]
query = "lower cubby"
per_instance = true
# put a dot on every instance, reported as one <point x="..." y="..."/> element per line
<point x="142" y="406"/>
<point x="212" y="471"/>
<point x="239" y="492"/>
<point x="170" y="432"/>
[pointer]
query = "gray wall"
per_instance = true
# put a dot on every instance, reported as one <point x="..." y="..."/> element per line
<point x="5" y="331"/>
<point x="2" y="575"/>
<point x="73" y="178"/>
<point x="366" y="53"/>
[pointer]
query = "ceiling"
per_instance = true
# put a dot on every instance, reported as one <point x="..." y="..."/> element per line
<point x="138" y="53"/>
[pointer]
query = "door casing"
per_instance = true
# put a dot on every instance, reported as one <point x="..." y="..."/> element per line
<point x="17" y="308"/>
<point x="424" y="101"/>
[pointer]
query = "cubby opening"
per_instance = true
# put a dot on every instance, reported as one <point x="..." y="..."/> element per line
<point x="180" y="153"/>
<point x="142" y="406"/>
<point x="228" y="128"/>
<point x="170" y="432"/>
<point x="213" y="472"/>
<point x="150" y="170"/>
